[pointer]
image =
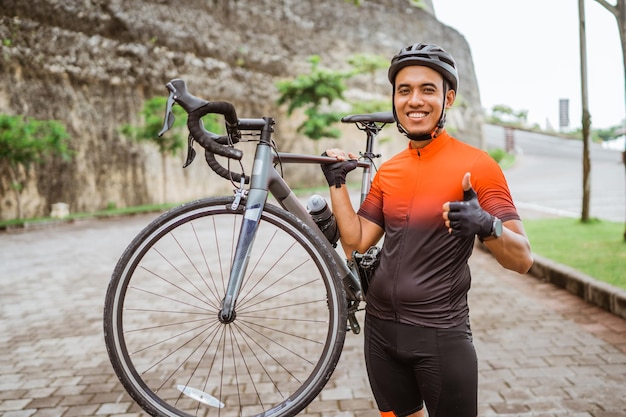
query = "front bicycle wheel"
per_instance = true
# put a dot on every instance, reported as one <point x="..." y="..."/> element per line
<point x="163" y="334"/>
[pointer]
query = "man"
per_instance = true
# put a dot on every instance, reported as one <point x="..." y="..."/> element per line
<point x="430" y="202"/>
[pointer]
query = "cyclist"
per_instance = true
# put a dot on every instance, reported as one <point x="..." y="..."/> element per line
<point x="418" y="341"/>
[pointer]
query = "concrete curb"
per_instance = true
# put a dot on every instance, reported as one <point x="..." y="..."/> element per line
<point x="595" y="292"/>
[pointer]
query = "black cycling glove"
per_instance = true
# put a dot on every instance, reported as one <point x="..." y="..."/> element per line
<point x="468" y="219"/>
<point x="335" y="173"/>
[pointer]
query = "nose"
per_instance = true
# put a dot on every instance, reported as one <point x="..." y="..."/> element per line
<point x="415" y="99"/>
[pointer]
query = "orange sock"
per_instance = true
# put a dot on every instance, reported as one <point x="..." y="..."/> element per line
<point x="387" y="414"/>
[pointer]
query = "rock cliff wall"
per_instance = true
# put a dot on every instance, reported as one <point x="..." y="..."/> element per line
<point x="92" y="63"/>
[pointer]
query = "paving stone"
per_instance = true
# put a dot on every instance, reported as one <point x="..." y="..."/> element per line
<point x="338" y="414"/>
<point x="19" y="413"/>
<point x="318" y="406"/>
<point x="76" y="399"/>
<point x="609" y="414"/>
<point x="510" y="408"/>
<point x="366" y="413"/>
<point x="12" y="394"/>
<point x="336" y="393"/>
<point x="122" y="415"/>
<point x="99" y="388"/>
<point x="50" y="412"/>
<point x="70" y="390"/>
<point x="112" y="408"/>
<point x="44" y="402"/>
<point x="108" y="397"/>
<point x="357" y="404"/>
<point x="9" y="405"/>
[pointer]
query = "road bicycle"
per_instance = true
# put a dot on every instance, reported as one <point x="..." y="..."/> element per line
<point x="234" y="306"/>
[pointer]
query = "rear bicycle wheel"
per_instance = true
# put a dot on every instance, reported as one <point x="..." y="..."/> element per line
<point x="163" y="334"/>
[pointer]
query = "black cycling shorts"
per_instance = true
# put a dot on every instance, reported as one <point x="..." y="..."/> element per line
<point x="409" y="366"/>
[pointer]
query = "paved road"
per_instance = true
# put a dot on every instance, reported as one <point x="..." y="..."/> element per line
<point x="548" y="175"/>
<point x="543" y="352"/>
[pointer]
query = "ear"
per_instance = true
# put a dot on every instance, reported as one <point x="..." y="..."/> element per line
<point x="450" y="96"/>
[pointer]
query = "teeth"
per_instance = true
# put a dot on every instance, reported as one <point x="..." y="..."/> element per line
<point x="417" y="114"/>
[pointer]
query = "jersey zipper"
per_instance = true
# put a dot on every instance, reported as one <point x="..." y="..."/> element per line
<point x="396" y="275"/>
<point x="407" y="219"/>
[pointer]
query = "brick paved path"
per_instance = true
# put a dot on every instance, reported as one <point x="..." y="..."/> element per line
<point x="542" y="351"/>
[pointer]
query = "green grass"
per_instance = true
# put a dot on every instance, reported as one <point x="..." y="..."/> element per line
<point x="596" y="248"/>
<point x="111" y="212"/>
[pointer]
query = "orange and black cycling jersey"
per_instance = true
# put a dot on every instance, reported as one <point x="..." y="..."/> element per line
<point x="423" y="276"/>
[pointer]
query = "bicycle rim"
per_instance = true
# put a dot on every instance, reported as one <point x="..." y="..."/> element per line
<point x="163" y="335"/>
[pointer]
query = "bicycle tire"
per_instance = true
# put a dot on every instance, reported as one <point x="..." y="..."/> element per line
<point x="161" y="315"/>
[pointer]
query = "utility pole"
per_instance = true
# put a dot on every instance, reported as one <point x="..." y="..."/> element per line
<point x="586" y="118"/>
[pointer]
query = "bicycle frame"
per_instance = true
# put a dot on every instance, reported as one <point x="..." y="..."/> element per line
<point x="265" y="180"/>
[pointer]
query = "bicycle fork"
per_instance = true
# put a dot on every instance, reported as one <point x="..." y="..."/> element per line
<point x="252" y="216"/>
<point x="255" y="202"/>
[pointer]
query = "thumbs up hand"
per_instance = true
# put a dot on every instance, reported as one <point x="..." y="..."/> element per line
<point x="466" y="218"/>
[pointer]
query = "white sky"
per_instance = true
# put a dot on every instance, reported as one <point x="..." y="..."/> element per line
<point x="526" y="56"/>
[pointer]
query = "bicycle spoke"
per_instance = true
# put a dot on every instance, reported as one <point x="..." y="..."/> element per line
<point x="171" y="351"/>
<point x="214" y="291"/>
<point x="176" y="301"/>
<point x="183" y="362"/>
<point x="183" y="275"/>
<point x="259" y="361"/>
<point x="161" y="326"/>
<point x="254" y="267"/>
<point x="187" y="256"/>
<point x="251" y="313"/>
<point x="208" y="346"/>
<point x="283" y="346"/>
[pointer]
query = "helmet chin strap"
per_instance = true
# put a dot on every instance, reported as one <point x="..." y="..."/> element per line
<point x="420" y="137"/>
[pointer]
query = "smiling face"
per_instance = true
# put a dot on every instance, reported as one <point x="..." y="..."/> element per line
<point x="418" y="98"/>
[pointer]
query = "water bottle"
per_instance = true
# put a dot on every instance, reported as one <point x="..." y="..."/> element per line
<point x="323" y="217"/>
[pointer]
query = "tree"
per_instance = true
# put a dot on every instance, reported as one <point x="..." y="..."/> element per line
<point x="24" y="142"/>
<point x="618" y="10"/>
<point x="606" y="134"/>
<point x="152" y="123"/>
<point x="503" y="114"/>
<point x="586" y="118"/>
<point x="367" y="64"/>
<point x="317" y="90"/>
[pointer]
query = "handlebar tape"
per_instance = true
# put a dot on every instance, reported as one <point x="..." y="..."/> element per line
<point x="196" y="108"/>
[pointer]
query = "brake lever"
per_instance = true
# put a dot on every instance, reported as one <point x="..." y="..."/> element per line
<point x="191" y="152"/>
<point x="168" y="121"/>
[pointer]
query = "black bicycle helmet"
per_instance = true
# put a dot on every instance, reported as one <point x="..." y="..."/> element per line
<point x="432" y="56"/>
<point x="428" y="55"/>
